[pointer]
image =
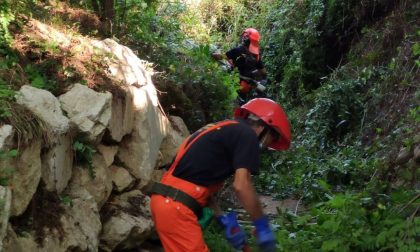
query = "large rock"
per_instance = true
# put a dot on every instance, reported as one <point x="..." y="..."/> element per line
<point x="89" y="111"/>
<point x="80" y="228"/>
<point x="6" y="201"/>
<point x="140" y="150"/>
<point x="170" y="145"/>
<point x="130" y="225"/>
<point x="128" y="67"/>
<point x="108" y="152"/>
<point x="6" y="137"/>
<point x="57" y="164"/>
<point x="13" y="242"/>
<point x="24" y="173"/>
<point x="81" y="222"/>
<point x="122" y="117"/>
<point x="46" y="106"/>
<point x="179" y="125"/>
<point x="100" y="186"/>
<point x="121" y="178"/>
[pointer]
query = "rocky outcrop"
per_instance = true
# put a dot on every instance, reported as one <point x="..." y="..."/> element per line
<point x="6" y="137"/>
<point x="108" y="153"/>
<point x="100" y="148"/>
<point x="57" y="163"/>
<point x="175" y="135"/>
<point x="121" y="178"/>
<point x="140" y="150"/>
<point x="24" y="174"/>
<point x="128" y="67"/>
<point x="129" y="223"/>
<point x="89" y="111"/>
<point x="79" y="230"/>
<point x="122" y="117"/>
<point x="46" y="106"/>
<point x="98" y="184"/>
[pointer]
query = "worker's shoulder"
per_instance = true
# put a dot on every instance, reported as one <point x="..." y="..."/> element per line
<point x="238" y="127"/>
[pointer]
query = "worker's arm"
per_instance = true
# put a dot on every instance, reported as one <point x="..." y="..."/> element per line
<point x="245" y="191"/>
<point x="222" y="56"/>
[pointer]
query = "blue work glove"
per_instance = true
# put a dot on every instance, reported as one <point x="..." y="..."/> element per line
<point x="264" y="234"/>
<point x="234" y="234"/>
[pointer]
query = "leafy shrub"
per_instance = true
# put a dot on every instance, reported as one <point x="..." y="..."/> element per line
<point x="311" y="175"/>
<point x="6" y="17"/>
<point x="353" y="222"/>
<point x="339" y="105"/>
<point x="84" y="154"/>
<point x="308" y="39"/>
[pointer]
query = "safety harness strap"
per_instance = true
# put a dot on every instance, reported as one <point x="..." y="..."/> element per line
<point x="188" y="142"/>
<point x="176" y="194"/>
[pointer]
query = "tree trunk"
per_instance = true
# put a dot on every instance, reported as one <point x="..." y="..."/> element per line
<point x="108" y="13"/>
<point x="96" y="9"/>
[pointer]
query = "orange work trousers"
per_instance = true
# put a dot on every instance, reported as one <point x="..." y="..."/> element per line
<point x="176" y="224"/>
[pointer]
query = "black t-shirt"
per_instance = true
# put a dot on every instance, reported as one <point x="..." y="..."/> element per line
<point x="245" y="61"/>
<point x="216" y="155"/>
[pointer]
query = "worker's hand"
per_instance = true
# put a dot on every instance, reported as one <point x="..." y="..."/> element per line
<point x="264" y="234"/>
<point x="234" y="234"/>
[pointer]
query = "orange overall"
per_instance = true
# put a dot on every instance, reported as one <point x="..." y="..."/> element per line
<point x="176" y="224"/>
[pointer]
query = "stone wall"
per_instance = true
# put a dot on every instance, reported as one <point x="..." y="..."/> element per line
<point x="89" y="202"/>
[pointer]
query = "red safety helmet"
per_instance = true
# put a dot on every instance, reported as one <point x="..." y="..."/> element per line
<point x="253" y="36"/>
<point x="273" y="115"/>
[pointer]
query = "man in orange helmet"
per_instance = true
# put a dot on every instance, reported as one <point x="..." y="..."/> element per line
<point x="246" y="57"/>
<point x="204" y="161"/>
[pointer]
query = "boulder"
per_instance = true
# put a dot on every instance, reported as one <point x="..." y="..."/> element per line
<point x="130" y="225"/>
<point x="108" y="152"/>
<point x="179" y="125"/>
<point x="6" y="137"/>
<point x="89" y="111"/>
<point x="13" y="242"/>
<point x="99" y="186"/>
<point x="121" y="178"/>
<point x="46" y="106"/>
<point x="57" y="164"/>
<point x="122" y="117"/>
<point x="170" y="145"/>
<point x="127" y="67"/>
<point x="24" y="173"/>
<point x="80" y="228"/>
<point x="139" y="151"/>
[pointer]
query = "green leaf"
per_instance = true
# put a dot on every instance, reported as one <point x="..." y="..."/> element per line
<point x="323" y="184"/>
<point x="331" y="226"/>
<point x="38" y="82"/>
<point x="337" y="202"/>
<point x="381" y="238"/>
<point x="330" y="245"/>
